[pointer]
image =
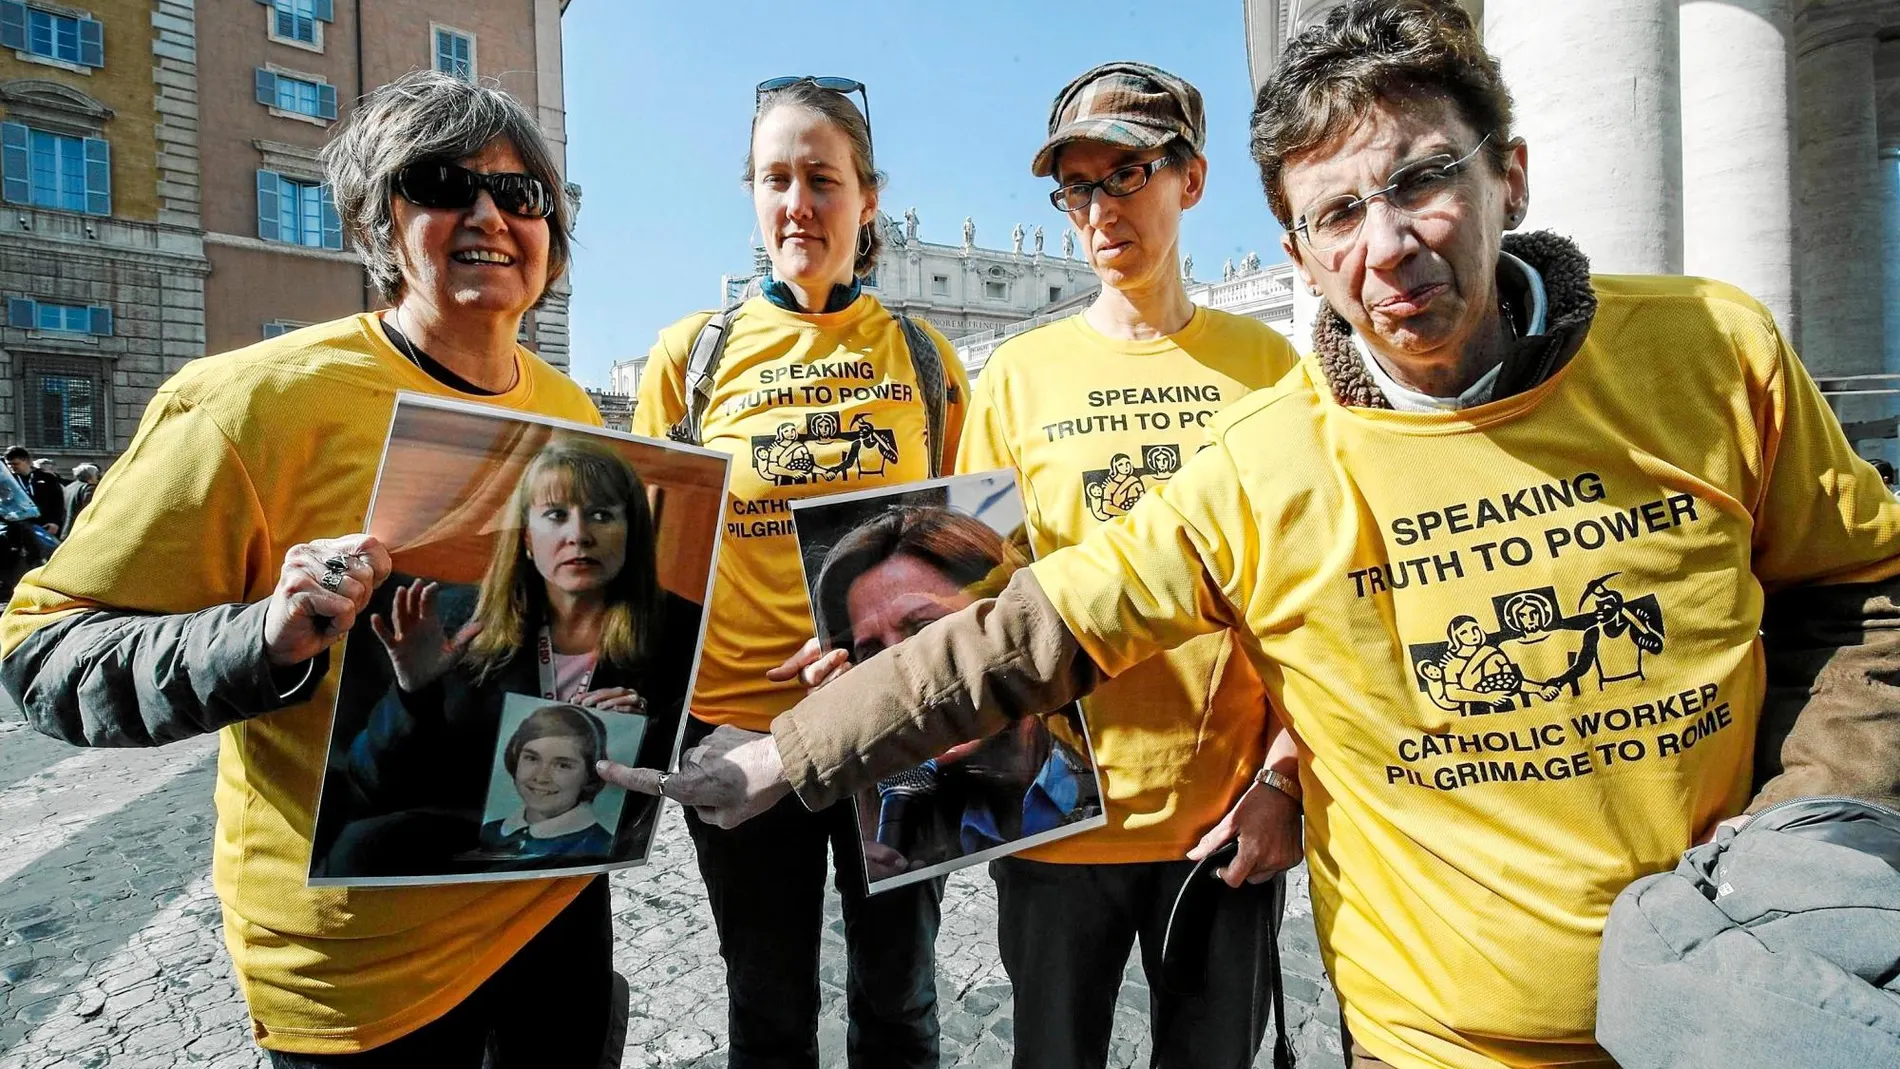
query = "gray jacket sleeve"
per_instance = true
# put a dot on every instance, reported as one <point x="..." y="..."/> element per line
<point x="108" y="678"/>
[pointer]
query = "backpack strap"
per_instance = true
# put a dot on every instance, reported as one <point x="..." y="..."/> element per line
<point x="701" y="364"/>
<point x="926" y="360"/>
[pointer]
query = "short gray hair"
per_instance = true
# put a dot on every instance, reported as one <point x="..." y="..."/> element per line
<point x="426" y="115"/>
<point x="83" y="472"/>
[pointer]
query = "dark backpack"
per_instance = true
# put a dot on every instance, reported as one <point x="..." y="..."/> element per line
<point x="709" y="345"/>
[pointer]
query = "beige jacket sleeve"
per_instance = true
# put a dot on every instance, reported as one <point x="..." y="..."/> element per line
<point x="962" y="678"/>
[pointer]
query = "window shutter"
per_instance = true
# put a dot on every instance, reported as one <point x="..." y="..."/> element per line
<point x="444" y="53"/>
<point x="266" y="88"/>
<point x="326" y="101"/>
<point x="101" y="321"/>
<point x="92" y="43"/>
<point x="326" y="11"/>
<point x="98" y="176"/>
<point x="13" y="24"/>
<point x="15" y="164"/>
<point x="267" y="226"/>
<point x="22" y="312"/>
<point x="332" y="223"/>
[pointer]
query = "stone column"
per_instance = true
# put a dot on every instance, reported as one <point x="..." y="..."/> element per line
<point x="1839" y="212"/>
<point x="1598" y="103"/>
<point x="1737" y="167"/>
<point x="1887" y="101"/>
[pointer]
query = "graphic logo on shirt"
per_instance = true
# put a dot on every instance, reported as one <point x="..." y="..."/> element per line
<point x="1112" y="491"/>
<point x="824" y="451"/>
<point x="1536" y="653"/>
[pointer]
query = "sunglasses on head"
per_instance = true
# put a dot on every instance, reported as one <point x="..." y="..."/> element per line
<point x="840" y="86"/>
<point x="446" y="185"/>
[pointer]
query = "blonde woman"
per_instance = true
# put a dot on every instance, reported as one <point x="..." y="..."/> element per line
<point x="570" y="610"/>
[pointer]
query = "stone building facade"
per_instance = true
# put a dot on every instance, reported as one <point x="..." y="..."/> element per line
<point x="162" y="195"/>
<point x="960" y="289"/>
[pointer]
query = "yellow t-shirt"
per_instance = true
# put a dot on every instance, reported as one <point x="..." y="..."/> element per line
<point x="238" y="458"/>
<point x="1092" y="424"/>
<point x="1399" y="577"/>
<point x="807" y="405"/>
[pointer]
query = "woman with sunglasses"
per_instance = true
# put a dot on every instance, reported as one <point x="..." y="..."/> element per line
<point x="219" y="569"/>
<point x="811" y="369"/>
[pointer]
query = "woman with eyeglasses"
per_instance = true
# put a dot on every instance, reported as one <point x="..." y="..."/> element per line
<point x="217" y="569"/>
<point x="818" y="389"/>
<point x="1179" y="739"/>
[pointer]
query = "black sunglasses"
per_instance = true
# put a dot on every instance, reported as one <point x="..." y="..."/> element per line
<point x="446" y="185"/>
<point x="840" y="86"/>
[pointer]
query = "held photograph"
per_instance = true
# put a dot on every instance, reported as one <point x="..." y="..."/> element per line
<point x="882" y="565"/>
<point x="544" y="612"/>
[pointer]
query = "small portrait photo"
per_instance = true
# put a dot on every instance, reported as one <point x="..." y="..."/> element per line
<point x="884" y="564"/>
<point x="544" y="798"/>
<point x="546" y="604"/>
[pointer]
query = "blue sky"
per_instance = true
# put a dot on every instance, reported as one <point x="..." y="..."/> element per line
<point x="659" y="97"/>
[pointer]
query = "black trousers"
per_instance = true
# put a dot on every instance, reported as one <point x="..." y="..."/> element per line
<point x="549" y="1006"/>
<point x="765" y="881"/>
<point x="1065" y="932"/>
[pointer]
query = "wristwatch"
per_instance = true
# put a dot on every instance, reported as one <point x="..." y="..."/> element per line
<point x="1284" y="784"/>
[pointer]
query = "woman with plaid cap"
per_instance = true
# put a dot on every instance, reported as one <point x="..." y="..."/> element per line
<point x="1179" y="739"/>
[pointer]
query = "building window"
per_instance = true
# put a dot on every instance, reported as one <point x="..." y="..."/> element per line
<point x="51" y="35"/>
<point x="297" y="96"/>
<point x="300" y="22"/>
<point x="46" y="316"/>
<point x="62" y="408"/>
<point x="940" y="285"/>
<point x="49" y="170"/>
<point x="296" y="212"/>
<point x="1055" y="294"/>
<point x="455" y="53"/>
<point x="277" y="328"/>
<point x="996" y="291"/>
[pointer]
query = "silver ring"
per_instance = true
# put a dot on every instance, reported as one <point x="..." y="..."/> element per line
<point x="330" y="581"/>
<point x="338" y="563"/>
<point x="664" y="776"/>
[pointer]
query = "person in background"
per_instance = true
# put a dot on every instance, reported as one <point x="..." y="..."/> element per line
<point x="216" y="569"/>
<point x="42" y="486"/>
<point x="1180" y="738"/>
<point x="1463" y="866"/>
<point x="79" y="492"/>
<point x="812" y="354"/>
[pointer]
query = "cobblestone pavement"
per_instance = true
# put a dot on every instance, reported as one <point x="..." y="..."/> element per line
<point x="110" y="952"/>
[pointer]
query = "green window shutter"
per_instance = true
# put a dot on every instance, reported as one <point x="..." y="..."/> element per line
<point x="13" y="25"/>
<point x="326" y="102"/>
<point x="332" y="223"/>
<point x="16" y="164"/>
<point x="98" y="176"/>
<point x="101" y="321"/>
<point x="92" y="43"/>
<point x="23" y="312"/>
<point x="266" y="88"/>
<point x="267" y="194"/>
<point x="326" y="11"/>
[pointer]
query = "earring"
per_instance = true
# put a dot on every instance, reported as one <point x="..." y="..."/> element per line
<point x="864" y="239"/>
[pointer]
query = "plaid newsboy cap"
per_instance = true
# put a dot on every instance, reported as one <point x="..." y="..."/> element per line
<point x="1123" y="103"/>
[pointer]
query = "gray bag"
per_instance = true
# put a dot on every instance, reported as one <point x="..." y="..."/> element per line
<point x="1776" y="946"/>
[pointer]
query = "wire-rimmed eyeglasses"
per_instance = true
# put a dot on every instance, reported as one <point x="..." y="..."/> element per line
<point x="1417" y="187"/>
